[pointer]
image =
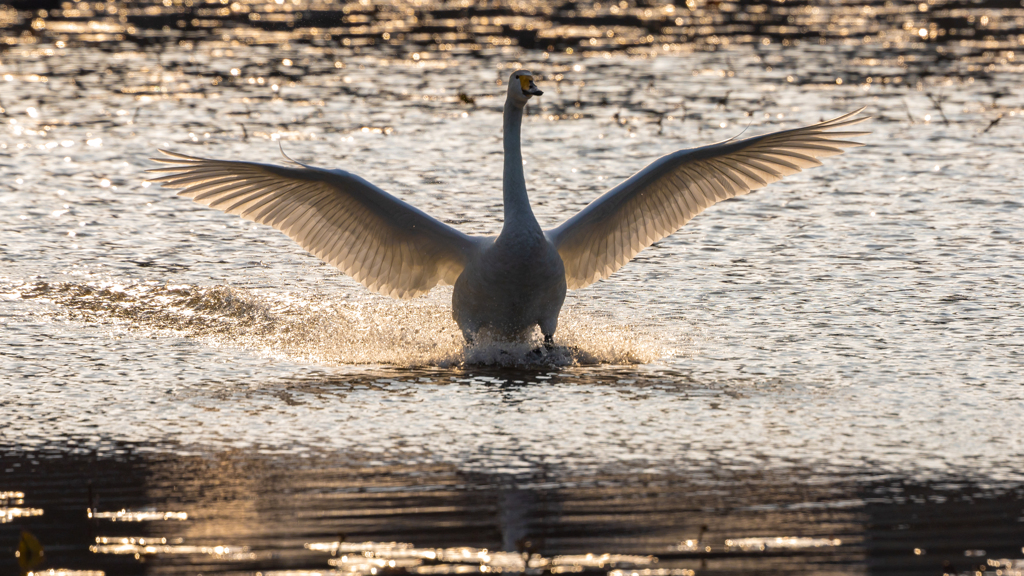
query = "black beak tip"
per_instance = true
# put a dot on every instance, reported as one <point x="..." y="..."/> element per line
<point x="538" y="93"/>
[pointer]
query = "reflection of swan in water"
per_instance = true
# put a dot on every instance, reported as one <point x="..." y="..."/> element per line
<point x="508" y="284"/>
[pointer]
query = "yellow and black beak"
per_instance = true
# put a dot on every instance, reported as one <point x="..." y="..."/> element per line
<point x="529" y="88"/>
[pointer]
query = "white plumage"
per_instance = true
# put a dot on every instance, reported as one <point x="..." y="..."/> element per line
<point x="664" y="196"/>
<point x="385" y="244"/>
<point x="507" y="284"/>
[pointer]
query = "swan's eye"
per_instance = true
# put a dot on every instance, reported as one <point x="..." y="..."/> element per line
<point x="524" y="81"/>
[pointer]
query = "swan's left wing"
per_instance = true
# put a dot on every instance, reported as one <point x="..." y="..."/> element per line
<point x="385" y="244"/>
<point x="663" y="197"/>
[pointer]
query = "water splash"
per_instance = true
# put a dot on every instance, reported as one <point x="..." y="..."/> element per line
<point x="335" y="330"/>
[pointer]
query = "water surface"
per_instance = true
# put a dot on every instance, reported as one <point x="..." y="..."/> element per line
<point x="820" y="377"/>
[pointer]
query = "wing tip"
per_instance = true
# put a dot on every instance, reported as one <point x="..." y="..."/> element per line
<point x="177" y="168"/>
<point x="176" y="155"/>
<point x="848" y="119"/>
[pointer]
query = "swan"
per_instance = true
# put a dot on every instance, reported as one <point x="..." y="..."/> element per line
<point x="510" y="283"/>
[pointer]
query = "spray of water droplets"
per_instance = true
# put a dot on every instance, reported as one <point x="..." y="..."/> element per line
<point x="337" y="330"/>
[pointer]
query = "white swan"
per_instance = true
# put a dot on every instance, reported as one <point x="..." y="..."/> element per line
<point x="507" y="284"/>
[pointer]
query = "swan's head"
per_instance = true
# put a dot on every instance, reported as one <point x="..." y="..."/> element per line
<point x="521" y="87"/>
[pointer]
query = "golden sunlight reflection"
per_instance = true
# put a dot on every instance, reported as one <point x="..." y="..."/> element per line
<point x="601" y="560"/>
<point x="139" y="547"/>
<point x="653" y="572"/>
<point x="1006" y="567"/>
<point x="370" y="558"/>
<point x="297" y="573"/>
<point x="780" y="542"/>
<point x="137" y="516"/>
<point x="9" y="514"/>
<point x="65" y="572"/>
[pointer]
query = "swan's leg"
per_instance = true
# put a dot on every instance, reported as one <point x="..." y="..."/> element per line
<point x="469" y="329"/>
<point x="547" y="328"/>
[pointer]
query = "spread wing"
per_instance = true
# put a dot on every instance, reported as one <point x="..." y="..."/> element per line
<point x="384" y="243"/>
<point x="664" y="196"/>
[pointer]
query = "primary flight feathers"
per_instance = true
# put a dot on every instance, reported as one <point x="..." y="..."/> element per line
<point x="665" y="195"/>
<point x="397" y="250"/>
<point x="384" y="243"/>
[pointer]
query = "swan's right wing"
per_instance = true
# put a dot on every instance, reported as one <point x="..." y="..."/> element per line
<point x="384" y="243"/>
<point x="659" y="199"/>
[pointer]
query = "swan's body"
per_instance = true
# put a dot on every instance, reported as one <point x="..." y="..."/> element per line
<point x="517" y="281"/>
<point x="504" y="285"/>
<point x="509" y="287"/>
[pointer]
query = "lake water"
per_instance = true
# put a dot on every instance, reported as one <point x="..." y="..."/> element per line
<point x="822" y="377"/>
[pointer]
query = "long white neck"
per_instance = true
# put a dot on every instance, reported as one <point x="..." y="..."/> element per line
<point x="518" y="213"/>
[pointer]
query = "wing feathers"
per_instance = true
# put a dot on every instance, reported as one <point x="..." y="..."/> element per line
<point x="384" y="243"/>
<point x="661" y="198"/>
<point x="293" y="224"/>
